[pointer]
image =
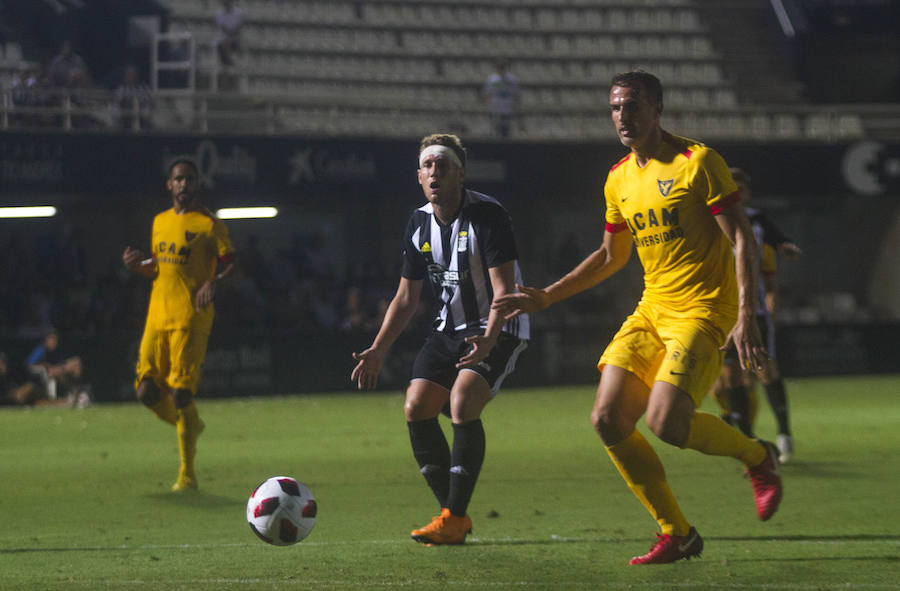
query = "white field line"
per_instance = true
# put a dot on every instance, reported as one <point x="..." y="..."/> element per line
<point x="479" y="584"/>
<point x="472" y="541"/>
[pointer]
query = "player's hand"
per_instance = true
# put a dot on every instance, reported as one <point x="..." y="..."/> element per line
<point x="789" y="250"/>
<point x="481" y="348"/>
<point x="132" y="258"/>
<point x="205" y="295"/>
<point x="365" y="374"/>
<point x="524" y="300"/>
<point x="747" y="341"/>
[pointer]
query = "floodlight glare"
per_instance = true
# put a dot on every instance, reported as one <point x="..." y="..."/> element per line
<point x="42" y="211"/>
<point x="239" y="213"/>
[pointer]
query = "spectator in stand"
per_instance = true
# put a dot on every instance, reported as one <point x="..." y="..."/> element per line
<point x="501" y="90"/>
<point x="69" y="76"/>
<point x="229" y="21"/>
<point x="26" y="92"/>
<point x="87" y="110"/>
<point x="132" y="101"/>
<point x="30" y="392"/>
<point x="65" y="67"/>
<point x="55" y="374"/>
<point x="355" y="316"/>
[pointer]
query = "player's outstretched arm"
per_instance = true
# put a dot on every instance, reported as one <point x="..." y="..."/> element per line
<point x="600" y="264"/>
<point x="525" y="300"/>
<point x="135" y="260"/>
<point x="773" y="236"/>
<point x="397" y="316"/>
<point x="789" y="250"/>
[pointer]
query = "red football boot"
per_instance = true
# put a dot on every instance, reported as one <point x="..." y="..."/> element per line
<point x="766" y="482"/>
<point x="671" y="548"/>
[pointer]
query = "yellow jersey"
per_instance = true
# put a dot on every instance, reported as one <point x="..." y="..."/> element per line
<point x="768" y="260"/>
<point x="186" y="249"/>
<point x="669" y="206"/>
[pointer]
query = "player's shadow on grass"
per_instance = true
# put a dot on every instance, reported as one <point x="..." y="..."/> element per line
<point x="546" y="541"/>
<point x="802" y="538"/>
<point x="865" y="557"/>
<point x="812" y="469"/>
<point x="601" y="540"/>
<point x="196" y="499"/>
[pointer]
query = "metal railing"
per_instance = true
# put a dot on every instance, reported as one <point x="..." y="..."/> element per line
<point x="177" y="110"/>
<point x="175" y="53"/>
<point x="65" y="109"/>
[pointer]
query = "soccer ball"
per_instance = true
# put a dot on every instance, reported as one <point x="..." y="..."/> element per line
<point x="281" y="511"/>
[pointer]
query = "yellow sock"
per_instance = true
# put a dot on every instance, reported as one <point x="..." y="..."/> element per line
<point x="189" y="427"/>
<point x="713" y="436"/>
<point x="644" y="473"/>
<point x="165" y="409"/>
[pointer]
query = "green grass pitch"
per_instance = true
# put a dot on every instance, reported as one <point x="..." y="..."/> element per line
<point x="85" y="500"/>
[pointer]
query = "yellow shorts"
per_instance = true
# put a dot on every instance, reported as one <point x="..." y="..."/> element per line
<point x="172" y="358"/>
<point x="660" y="345"/>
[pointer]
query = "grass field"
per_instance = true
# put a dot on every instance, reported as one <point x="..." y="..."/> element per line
<point x="85" y="500"/>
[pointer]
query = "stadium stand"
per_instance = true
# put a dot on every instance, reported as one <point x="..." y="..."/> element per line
<point x="386" y="67"/>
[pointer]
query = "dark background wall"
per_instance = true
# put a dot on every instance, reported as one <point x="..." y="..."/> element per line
<point x="347" y="201"/>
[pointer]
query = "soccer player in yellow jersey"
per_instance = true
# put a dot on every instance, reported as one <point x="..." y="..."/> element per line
<point x="191" y="257"/>
<point x="679" y="205"/>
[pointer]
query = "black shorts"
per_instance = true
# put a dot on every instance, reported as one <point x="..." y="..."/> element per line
<point x="766" y="331"/>
<point x="436" y="361"/>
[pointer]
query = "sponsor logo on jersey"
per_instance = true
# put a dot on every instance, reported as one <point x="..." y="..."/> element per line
<point x="651" y="218"/>
<point x="189" y="235"/>
<point x="647" y="220"/>
<point x="440" y="275"/>
<point x="171" y="252"/>
<point x="426" y="247"/>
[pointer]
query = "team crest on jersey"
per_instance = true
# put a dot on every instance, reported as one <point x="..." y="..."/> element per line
<point x="462" y="244"/>
<point x="665" y="186"/>
<point x="189" y="235"/>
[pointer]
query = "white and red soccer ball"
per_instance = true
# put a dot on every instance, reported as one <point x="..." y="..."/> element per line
<point x="281" y="511"/>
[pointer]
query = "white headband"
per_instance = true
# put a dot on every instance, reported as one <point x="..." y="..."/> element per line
<point x="438" y="151"/>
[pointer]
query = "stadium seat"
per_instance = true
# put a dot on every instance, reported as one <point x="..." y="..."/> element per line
<point x="563" y="52"/>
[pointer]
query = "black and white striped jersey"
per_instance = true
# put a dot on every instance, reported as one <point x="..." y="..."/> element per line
<point x="455" y="259"/>
<point x="765" y="232"/>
